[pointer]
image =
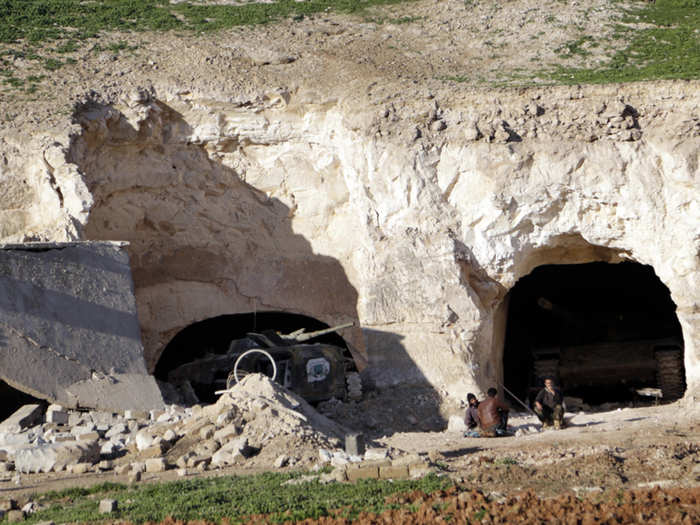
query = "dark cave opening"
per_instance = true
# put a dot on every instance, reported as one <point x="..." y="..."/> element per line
<point x="198" y="352"/>
<point x="13" y="400"/>
<point x="602" y="331"/>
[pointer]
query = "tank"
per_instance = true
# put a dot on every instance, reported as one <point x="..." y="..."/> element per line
<point x="607" y="350"/>
<point x="315" y="371"/>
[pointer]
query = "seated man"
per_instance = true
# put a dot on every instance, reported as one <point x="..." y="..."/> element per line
<point x="493" y="415"/>
<point x="471" y="419"/>
<point x="549" y="405"/>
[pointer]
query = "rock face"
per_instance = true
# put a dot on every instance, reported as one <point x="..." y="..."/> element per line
<point x="344" y="210"/>
<point x="69" y="328"/>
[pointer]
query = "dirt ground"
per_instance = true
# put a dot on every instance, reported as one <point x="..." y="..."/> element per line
<point x="598" y="452"/>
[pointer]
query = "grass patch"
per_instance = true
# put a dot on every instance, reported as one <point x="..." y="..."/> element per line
<point x="214" y="499"/>
<point x="667" y="46"/>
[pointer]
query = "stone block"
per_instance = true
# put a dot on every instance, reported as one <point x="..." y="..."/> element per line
<point x="122" y="469"/>
<point x="228" y="432"/>
<point x="25" y="417"/>
<point x="355" y="471"/>
<point x="230" y="452"/>
<point x="144" y="440"/>
<point x="105" y="465"/>
<point x="119" y="428"/>
<point x="419" y="469"/>
<point x="108" y="506"/>
<point x="376" y="454"/>
<point x="394" y="472"/>
<point x="207" y="432"/>
<point x="135" y="477"/>
<point x="377" y="463"/>
<point x="156" y="465"/>
<point x="3" y="455"/>
<point x="80" y="468"/>
<point x="88" y="436"/>
<point x="197" y="461"/>
<point x="58" y="417"/>
<point x="154" y="451"/>
<point x="355" y="444"/>
<point x="62" y="437"/>
<point x="14" y="516"/>
<point x="56" y="456"/>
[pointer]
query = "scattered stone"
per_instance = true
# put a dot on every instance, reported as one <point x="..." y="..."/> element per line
<point x="376" y="454"/>
<point x="226" y="433"/>
<point x="169" y="435"/>
<point x="281" y="461"/>
<point x="105" y="465"/>
<point x="144" y="440"/>
<point x="135" y="477"/>
<point x="30" y="508"/>
<point x="324" y="455"/>
<point x="57" y="456"/>
<point x="80" y="468"/>
<point x="25" y="417"/>
<point x="156" y="465"/>
<point x="108" y="506"/>
<point x="57" y="416"/>
<point x="182" y="472"/>
<point x="121" y="428"/>
<point x="207" y="432"/>
<point x="230" y="452"/>
<point x="14" y="516"/>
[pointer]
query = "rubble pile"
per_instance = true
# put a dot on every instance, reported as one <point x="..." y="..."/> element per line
<point x="256" y="424"/>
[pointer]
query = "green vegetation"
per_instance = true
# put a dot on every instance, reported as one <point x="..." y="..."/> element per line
<point x="39" y="29"/>
<point x="667" y="46"/>
<point x="36" y="21"/>
<point x="230" y="497"/>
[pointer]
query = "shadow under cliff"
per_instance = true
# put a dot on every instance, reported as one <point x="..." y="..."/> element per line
<point x="203" y="242"/>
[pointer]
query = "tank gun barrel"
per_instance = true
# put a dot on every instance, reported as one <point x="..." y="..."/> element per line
<point x="299" y="337"/>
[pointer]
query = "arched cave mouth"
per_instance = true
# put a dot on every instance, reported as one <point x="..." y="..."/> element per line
<point x="603" y="331"/>
<point x="13" y="400"/>
<point x="195" y="345"/>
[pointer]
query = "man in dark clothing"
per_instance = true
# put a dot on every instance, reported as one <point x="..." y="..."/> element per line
<point x="549" y="405"/>
<point x="471" y="419"/>
<point x="493" y="415"/>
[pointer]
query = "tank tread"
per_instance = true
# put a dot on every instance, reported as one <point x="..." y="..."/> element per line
<point x="670" y="373"/>
<point x="353" y="382"/>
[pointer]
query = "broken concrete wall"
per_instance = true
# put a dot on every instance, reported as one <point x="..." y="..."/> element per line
<point x="68" y="326"/>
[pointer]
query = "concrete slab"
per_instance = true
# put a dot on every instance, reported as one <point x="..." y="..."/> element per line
<point x="25" y="417"/>
<point x="68" y="326"/>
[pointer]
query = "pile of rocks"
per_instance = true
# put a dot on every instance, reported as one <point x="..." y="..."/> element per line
<point x="257" y="423"/>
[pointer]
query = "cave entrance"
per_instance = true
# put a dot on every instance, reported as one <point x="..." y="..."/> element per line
<point x="603" y="331"/>
<point x="13" y="400"/>
<point x="198" y="360"/>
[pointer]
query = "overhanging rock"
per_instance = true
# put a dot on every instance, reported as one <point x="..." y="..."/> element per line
<point x="68" y="326"/>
